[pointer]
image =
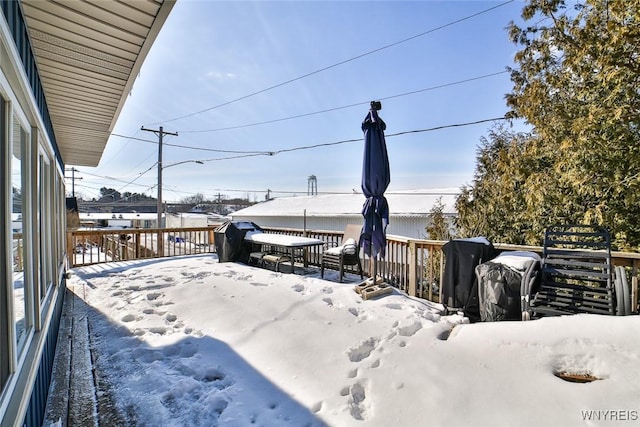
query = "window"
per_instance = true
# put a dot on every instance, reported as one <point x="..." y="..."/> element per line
<point x="19" y="224"/>
<point x="5" y="322"/>
<point x="45" y="217"/>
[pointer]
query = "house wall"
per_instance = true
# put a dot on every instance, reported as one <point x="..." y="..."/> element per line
<point x="186" y="221"/>
<point x="409" y="226"/>
<point x="32" y="259"/>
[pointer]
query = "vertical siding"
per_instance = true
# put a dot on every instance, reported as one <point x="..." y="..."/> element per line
<point x="408" y="226"/>
<point x="38" y="400"/>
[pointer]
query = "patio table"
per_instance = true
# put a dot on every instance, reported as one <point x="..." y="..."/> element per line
<point x="287" y="243"/>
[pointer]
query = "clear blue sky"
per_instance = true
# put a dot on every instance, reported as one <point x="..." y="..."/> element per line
<point x="212" y="57"/>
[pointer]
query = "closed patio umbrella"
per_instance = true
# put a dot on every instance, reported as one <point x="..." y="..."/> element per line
<point x="375" y="180"/>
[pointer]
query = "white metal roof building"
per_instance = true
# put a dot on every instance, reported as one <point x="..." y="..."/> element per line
<point x="408" y="211"/>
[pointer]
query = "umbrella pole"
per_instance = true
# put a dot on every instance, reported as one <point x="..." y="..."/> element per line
<point x="375" y="269"/>
<point x="372" y="258"/>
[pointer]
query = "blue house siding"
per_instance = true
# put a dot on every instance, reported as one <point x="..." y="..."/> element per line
<point x="38" y="402"/>
<point x="25" y="405"/>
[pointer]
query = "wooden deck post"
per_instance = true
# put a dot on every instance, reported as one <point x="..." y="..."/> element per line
<point x="413" y="269"/>
<point x="634" y="286"/>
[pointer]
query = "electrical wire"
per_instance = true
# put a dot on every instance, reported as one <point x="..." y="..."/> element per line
<point x="457" y="21"/>
<point x="345" y="106"/>
<point x="112" y="178"/>
<point x="260" y="153"/>
<point x="300" y="148"/>
<point x="188" y="147"/>
<point x="346" y="141"/>
<point x="294" y="117"/>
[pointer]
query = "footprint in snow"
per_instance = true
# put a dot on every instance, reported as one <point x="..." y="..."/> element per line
<point x="364" y="350"/>
<point x="410" y="330"/>
<point x="178" y="325"/>
<point x="128" y="318"/>
<point x="357" y="397"/>
<point x="160" y="330"/>
<point x="188" y="330"/>
<point x="152" y="296"/>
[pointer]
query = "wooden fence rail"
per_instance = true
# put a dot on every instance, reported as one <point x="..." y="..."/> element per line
<point x="412" y="265"/>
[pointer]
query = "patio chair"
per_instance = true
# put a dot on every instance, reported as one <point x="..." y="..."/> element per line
<point x="577" y="275"/>
<point x="347" y="254"/>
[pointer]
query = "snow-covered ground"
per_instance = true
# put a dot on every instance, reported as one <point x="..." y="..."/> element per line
<point x="18" y="303"/>
<point x="193" y="342"/>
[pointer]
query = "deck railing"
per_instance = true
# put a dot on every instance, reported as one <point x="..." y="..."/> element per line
<point x="95" y="246"/>
<point x="412" y="265"/>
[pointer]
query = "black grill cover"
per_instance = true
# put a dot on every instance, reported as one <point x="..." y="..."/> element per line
<point x="499" y="292"/>
<point x="459" y="282"/>
<point x="229" y="240"/>
<point x="503" y="281"/>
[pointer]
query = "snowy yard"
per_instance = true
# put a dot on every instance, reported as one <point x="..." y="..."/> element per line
<point x="193" y="342"/>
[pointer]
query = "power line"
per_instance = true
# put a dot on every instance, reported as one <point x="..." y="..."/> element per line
<point x="261" y="153"/>
<point x="446" y="127"/>
<point x="308" y="147"/>
<point x="346" y="141"/>
<point x="114" y="179"/>
<point x="298" y="116"/>
<point x="426" y="192"/>
<point x="346" y="106"/>
<point x="115" y="191"/>
<point x="117" y="179"/>
<point x="188" y="147"/>
<point x="457" y="21"/>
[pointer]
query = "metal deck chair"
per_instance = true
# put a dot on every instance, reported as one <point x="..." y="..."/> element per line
<point x="348" y="254"/>
<point x="577" y="275"/>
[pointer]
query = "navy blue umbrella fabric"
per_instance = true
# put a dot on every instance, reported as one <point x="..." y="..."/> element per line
<point x="375" y="180"/>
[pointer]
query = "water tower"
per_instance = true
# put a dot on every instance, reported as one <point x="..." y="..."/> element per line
<point x="312" y="186"/>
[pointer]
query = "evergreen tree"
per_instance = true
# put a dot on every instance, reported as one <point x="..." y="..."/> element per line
<point x="437" y="226"/>
<point x="501" y="204"/>
<point x="109" y="195"/>
<point x="576" y="82"/>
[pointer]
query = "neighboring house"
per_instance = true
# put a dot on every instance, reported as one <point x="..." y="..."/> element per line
<point x="66" y="69"/>
<point x="409" y="211"/>
<point x="119" y="220"/>
<point x="185" y="220"/>
<point x="148" y="220"/>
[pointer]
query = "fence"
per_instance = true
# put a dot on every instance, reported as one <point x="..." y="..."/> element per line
<point x="88" y="247"/>
<point x="412" y="265"/>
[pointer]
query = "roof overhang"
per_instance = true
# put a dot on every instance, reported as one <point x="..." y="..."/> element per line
<point x="88" y="55"/>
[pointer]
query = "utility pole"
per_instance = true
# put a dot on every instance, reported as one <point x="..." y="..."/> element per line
<point x="160" y="132"/>
<point x="73" y="181"/>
